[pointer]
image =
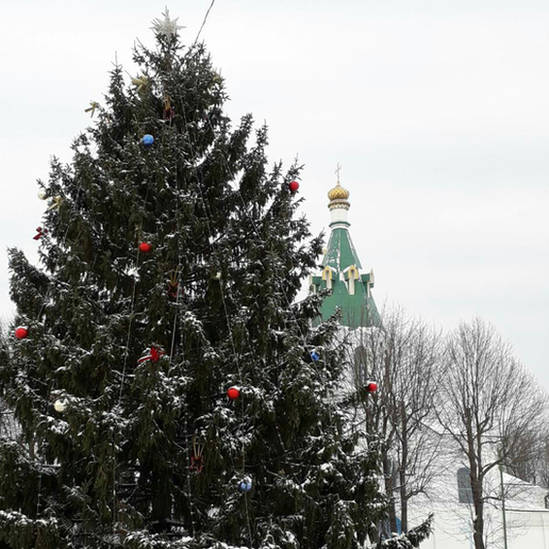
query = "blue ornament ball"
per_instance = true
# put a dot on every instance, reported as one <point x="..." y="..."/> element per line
<point x="315" y="356"/>
<point x="245" y="486"/>
<point x="147" y="140"/>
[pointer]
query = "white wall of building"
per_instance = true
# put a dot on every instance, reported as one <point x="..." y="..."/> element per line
<point x="527" y="520"/>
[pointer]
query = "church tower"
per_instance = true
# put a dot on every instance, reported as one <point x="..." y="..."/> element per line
<point x="342" y="273"/>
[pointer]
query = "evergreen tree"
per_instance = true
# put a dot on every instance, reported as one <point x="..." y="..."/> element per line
<point x="412" y="538"/>
<point x="168" y="274"/>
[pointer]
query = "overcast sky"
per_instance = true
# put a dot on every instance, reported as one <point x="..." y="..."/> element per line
<point x="437" y="111"/>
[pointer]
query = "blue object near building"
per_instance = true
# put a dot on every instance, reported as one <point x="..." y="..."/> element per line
<point x="315" y="356"/>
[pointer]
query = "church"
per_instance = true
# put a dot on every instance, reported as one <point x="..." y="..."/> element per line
<point x="518" y="517"/>
<point x="342" y="273"/>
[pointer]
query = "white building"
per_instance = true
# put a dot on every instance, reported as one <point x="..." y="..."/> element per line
<point x="450" y="499"/>
<point x="448" y="496"/>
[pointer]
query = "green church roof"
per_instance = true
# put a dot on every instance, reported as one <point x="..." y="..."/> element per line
<point x="341" y="251"/>
<point x="350" y="289"/>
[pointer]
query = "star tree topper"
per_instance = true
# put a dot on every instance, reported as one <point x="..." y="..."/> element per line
<point x="168" y="26"/>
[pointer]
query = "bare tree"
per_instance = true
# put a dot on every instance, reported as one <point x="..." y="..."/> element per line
<point x="489" y="407"/>
<point x="524" y="462"/>
<point x="402" y="356"/>
<point x="416" y="372"/>
<point x="542" y="463"/>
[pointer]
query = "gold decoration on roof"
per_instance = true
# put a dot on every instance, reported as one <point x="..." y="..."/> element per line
<point x="338" y="193"/>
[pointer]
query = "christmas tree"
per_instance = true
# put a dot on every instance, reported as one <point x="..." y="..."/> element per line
<point x="168" y="389"/>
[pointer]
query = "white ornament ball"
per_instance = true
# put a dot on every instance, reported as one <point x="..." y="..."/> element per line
<point x="42" y="195"/>
<point x="60" y="406"/>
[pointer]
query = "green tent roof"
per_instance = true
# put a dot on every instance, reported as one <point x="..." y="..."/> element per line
<point x="351" y="290"/>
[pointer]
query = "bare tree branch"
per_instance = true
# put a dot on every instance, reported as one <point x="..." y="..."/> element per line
<point x="489" y="406"/>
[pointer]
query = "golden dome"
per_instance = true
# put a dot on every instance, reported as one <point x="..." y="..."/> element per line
<point x="338" y="193"/>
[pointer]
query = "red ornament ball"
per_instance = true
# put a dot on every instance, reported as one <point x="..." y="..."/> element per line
<point x="294" y="185"/>
<point x="145" y="247"/>
<point x="371" y="386"/>
<point x="233" y="393"/>
<point x="21" y="332"/>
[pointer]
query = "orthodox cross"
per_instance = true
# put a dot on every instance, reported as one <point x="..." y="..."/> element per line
<point x="337" y="171"/>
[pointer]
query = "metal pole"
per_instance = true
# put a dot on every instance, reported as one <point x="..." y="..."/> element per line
<point x="503" y="506"/>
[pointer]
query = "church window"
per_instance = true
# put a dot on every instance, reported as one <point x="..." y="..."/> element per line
<point x="465" y="494"/>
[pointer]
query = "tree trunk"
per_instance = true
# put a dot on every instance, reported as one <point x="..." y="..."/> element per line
<point x="478" y="519"/>
<point x="403" y="502"/>
<point x="403" y="468"/>
<point x="388" y="474"/>
<point x="475" y="464"/>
